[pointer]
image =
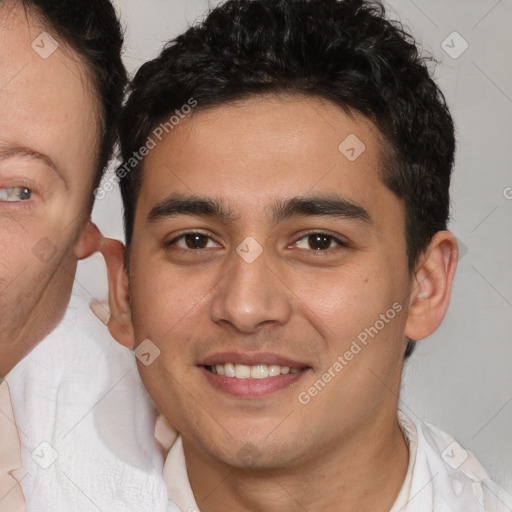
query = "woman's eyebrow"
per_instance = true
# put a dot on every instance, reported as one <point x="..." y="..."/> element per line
<point x="7" y="152"/>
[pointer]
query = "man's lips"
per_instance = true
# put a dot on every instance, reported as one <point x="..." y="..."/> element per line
<point x="251" y="359"/>
<point x="251" y="374"/>
<point x="251" y="365"/>
<point x="257" y="371"/>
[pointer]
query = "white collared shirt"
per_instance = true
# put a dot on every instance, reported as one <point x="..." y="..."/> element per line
<point x="441" y="476"/>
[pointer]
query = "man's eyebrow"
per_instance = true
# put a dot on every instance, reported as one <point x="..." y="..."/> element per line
<point x="7" y="152"/>
<point x="177" y="204"/>
<point x="324" y="205"/>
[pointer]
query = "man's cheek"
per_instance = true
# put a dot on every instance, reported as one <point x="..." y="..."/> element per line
<point x="159" y="307"/>
<point x="336" y="311"/>
<point x="165" y="382"/>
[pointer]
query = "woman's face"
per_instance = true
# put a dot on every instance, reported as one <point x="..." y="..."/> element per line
<point x="49" y="134"/>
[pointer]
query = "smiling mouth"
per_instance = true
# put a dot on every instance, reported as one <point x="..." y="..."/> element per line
<point x="253" y="372"/>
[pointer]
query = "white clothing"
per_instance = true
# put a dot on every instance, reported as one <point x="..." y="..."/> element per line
<point x="441" y="476"/>
<point x="85" y="422"/>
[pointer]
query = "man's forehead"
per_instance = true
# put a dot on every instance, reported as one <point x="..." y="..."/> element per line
<point x="220" y="155"/>
<point x="299" y="115"/>
<point x="298" y="134"/>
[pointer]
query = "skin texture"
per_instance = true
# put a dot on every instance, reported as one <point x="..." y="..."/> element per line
<point x="48" y="145"/>
<point x="343" y="450"/>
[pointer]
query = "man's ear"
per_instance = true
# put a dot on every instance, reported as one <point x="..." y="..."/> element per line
<point x="120" y="322"/>
<point x="432" y="286"/>
<point x="89" y="241"/>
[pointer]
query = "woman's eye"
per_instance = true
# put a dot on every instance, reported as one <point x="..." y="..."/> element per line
<point x="317" y="242"/>
<point x="194" y="241"/>
<point x="15" y="194"/>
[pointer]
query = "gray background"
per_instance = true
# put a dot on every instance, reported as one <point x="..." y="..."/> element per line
<point x="460" y="379"/>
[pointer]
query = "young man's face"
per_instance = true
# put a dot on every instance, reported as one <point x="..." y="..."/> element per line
<point x="48" y="151"/>
<point x="259" y="240"/>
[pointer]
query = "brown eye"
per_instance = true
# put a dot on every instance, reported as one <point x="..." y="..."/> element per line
<point x="319" y="242"/>
<point x="193" y="241"/>
<point x="196" y="241"/>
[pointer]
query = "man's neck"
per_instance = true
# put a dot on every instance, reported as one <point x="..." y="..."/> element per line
<point x="364" y="475"/>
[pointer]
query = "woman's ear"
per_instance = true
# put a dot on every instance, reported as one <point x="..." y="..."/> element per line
<point x="120" y="322"/>
<point x="89" y="241"/>
<point x="431" y="286"/>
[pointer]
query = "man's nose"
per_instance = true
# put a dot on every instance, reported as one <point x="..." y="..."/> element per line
<point x="251" y="296"/>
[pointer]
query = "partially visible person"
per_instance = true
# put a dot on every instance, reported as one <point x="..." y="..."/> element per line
<point x="287" y="245"/>
<point x="61" y="88"/>
<point x="61" y="80"/>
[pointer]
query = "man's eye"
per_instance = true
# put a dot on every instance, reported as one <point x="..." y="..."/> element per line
<point x="194" y="241"/>
<point x="318" y="242"/>
<point x="15" y="194"/>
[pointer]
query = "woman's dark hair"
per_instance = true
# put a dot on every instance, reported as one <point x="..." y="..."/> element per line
<point x="345" y="51"/>
<point x="92" y="30"/>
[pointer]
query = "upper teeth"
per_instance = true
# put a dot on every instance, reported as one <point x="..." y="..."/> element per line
<point x="259" y="371"/>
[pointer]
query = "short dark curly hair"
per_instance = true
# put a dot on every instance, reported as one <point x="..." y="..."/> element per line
<point x="345" y="51"/>
<point x="92" y="30"/>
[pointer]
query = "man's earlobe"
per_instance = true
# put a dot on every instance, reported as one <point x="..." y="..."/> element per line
<point x="120" y="322"/>
<point x="432" y="285"/>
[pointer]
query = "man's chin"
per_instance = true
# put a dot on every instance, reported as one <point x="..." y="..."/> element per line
<point x="263" y="450"/>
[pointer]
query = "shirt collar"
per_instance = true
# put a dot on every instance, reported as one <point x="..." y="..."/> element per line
<point x="176" y="478"/>
<point x="411" y="438"/>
